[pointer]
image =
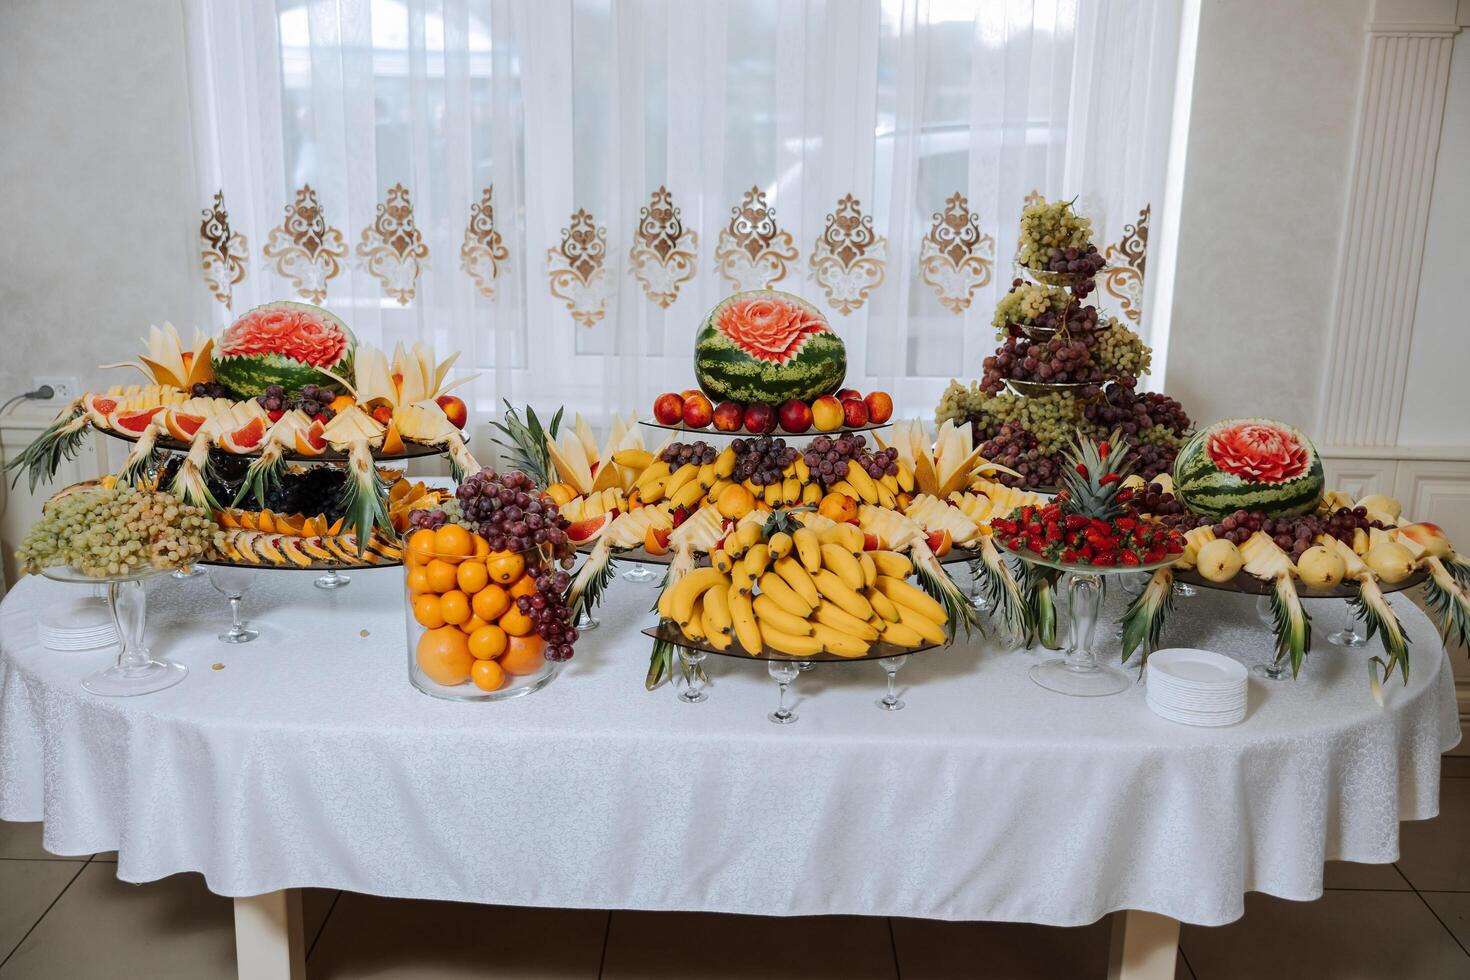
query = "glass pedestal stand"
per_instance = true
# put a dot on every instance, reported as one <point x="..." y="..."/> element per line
<point x="586" y="622"/>
<point x="136" y="670"/>
<point x="640" y="573"/>
<point x="331" y="580"/>
<point x="1078" y="673"/>
<point x="1348" y="636"/>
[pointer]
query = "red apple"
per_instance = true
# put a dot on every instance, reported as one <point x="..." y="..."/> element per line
<point x="697" y="410"/>
<point x="760" y="418"/>
<point x="690" y="391"/>
<point x="880" y="407"/>
<point x="795" y="415"/>
<point x="729" y="416"/>
<point x="846" y="393"/>
<point x="854" y="413"/>
<point x="454" y="410"/>
<point x="668" y="408"/>
<point x="827" y="413"/>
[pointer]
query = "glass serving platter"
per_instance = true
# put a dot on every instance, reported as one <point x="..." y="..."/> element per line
<point x="1243" y="584"/>
<point x="811" y="433"/>
<point x="669" y="633"/>
<point x="316" y="566"/>
<point x="411" y="450"/>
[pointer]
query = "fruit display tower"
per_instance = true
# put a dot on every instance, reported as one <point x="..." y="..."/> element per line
<point x="1062" y="366"/>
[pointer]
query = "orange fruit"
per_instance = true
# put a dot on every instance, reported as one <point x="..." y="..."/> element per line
<point x="517" y="623"/>
<point x="426" y="611"/>
<point x="488" y="642"/>
<point x="454" y="606"/>
<point x="525" y="585"/>
<point x="421" y="544"/>
<point x="471" y="576"/>
<point x="838" y="507"/>
<point x="443" y="655"/>
<point x="505" y="567"/>
<point x="441" y="575"/>
<point x="523" y="655"/>
<point x="469" y="626"/>
<point x="418" y="580"/>
<point x="735" y="502"/>
<point x="487" y="675"/>
<point x="491" y="602"/>
<point x="482" y="547"/>
<point x="452" y="541"/>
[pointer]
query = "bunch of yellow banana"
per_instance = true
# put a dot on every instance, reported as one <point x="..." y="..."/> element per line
<point x="801" y="594"/>
<point x="796" y="488"/>
<point x="887" y="491"/>
<point x="690" y="486"/>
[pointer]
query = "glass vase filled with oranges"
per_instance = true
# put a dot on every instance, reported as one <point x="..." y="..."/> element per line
<point x="476" y="617"/>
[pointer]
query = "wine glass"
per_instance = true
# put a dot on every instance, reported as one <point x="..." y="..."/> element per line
<point x="891" y="700"/>
<point x="1348" y="636"/>
<point x="693" y="692"/>
<point x="136" y="670"/>
<point x="188" y="571"/>
<point x="979" y="598"/>
<point x="331" y="580"/>
<point x="586" y="622"/>
<point x="640" y="573"/>
<point x="233" y="583"/>
<point x="783" y="672"/>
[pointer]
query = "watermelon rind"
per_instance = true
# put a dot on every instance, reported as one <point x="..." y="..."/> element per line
<point x="725" y="372"/>
<point x="248" y="375"/>
<point x="1204" y="488"/>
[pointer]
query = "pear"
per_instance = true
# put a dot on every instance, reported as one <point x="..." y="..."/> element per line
<point x="1321" y="568"/>
<point x="1382" y="504"/>
<point x="1218" y="560"/>
<point x="1429" y="538"/>
<point x="1390" y="562"/>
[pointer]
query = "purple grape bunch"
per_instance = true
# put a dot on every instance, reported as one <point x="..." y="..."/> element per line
<point x="311" y="399"/>
<point x="209" y="389"/>
<point x="827" y="457"/>
<point x="698" y="452"/>
<point x="512" y="515"/>
<point x="547" y="608"/>
<point x="762" y="460"/>
<point x="1064" y="358"/>
<point x="1014" y="447"/>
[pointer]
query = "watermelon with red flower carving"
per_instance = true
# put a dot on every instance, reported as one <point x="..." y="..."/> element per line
<point x="1248" y="464"/>
<point x="284" y="343"/>
<point x="768" y="346"/>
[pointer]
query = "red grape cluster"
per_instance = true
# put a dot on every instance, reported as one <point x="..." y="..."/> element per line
<point x="511" y="514"/>
<point x="1293" y="535"/>
<point x="1085" y="261"/>
<point x="763" y="460"/>
<point x="547" y="608"/>
<point x="1123" y="408"/>
<point x="698" y="452"/>
<point x="1016" y="448"/>
<point x="1062" y="358"/>
<point x="209" y="389"/>
<point x="828" y="457"/>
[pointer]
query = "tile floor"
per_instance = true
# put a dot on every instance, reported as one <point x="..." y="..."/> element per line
<point x="71" y="919"/>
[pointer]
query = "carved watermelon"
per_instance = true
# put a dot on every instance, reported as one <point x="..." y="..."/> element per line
<point x="1248" y="464"/>
<point x="767" y="346"/>
<point x="286" y="344"/>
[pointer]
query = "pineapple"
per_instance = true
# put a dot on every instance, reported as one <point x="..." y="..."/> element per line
<point x="528" y="446"/>
<point x="365" y="494"/>
<point x="266" y="469"/>
<point x="61" y="439"/>
<point x="1293" y="627"/>
<point x="1093" y="477"/>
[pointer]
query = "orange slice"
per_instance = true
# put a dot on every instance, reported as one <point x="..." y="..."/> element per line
<point x="311" y="442"/>
<point x="342" y="403"/>
<point x="265" y="521"/>
<point x="244" y="439"/>
<point x="182" y="425"/>
<point x="656" y="540"/>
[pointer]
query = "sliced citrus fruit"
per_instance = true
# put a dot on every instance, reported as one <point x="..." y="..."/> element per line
<point x="588" y="530"/>
<point x="311" y="441"/>
<point x="182" y="425"/>
<point x="244" y="439"/>
<point x="656" y="540"/>
<point x="940" y="542"/>
<point x="392" y="441"/>
<point x="133" y="423"/>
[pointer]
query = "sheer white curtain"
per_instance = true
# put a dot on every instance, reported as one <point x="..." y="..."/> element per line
<point x="882" y="150"/>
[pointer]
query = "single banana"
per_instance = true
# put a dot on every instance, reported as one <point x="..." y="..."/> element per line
<point x="887" y="498"/>
<point x="714" y="492"/>
<point x="882" y="605"/>
<point x="720" y="640"/>
<point x="688" y="495"/>
<point x="905" y="477"/>
<point x="783" y="595"/>
<point x="902" y="635"/>
<point x="652" y="493"/>
<point x="757" y="559"/>
<point x="688" y="589"/>
<point x="830" y="614"/>
<point x="905" y="594"/>
<point x="838" y="642"/>
<point x="790" y="491"/>
<point x="742" y="620"/>
<point x="797" y="646"/>
<point x="839" y="560"/>
<point x="725" y="463"/>
<point x="780" y="545"/>
<point x="803" y="472"/>
<point x="680" y="477"/>
<point x="845" y="488"/>
<point x="931" y="631"/>
<point x="794" y="574"/>
<point x="843" y="594"/>
<point x="716" y="610"/>
<point x="892" y="564"/>
<point x="656" y="470"/>
<point x="721" y="560"/>
<point x="768" y="610"/>
<point x="808" y="548"/>
<point x="634" y="459"/>
<point x="693" y="627"/>
<point x="870" y="570"/>
<point x="811" y="494"/>
<point x="860" y="479"/>
<point x="748" y="534"/>
<point x="890" y="481"/>
<point x="706" y="476"/>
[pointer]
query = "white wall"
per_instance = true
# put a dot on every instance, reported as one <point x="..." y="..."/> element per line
<point x="1436" y="408"/>
<point x="1265" y="183"/>
<point x="96" y="166"/>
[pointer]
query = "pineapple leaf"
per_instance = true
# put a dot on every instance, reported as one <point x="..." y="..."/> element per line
<point x="782" y="519"/>
<point x="1459" y="569"/>
<point x="526" y="449"/>
<point x="1093" y="475"/>
<point x="263" y="474"/>
<point x="1290" y="622"/>
<point x="1143" y="623"/>
<point x="1039" y="586"/>
<point x="364" y="496"/>
<point x="1448" y="601"/>
<point x="61" y="439"/>
<point x="593" y="578"/>
<point x="1371" y="606"/>
<point x="1007" y="602"/>
<point x="660" y="664"/>
<point x="960" y="613"/>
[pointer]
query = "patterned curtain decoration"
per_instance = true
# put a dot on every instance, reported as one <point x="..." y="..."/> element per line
<point x="753" y="251"/>
<point x="304" y="248"/>
<point x="955" y="257"/>
<point x="576" y="272"/>
<point x="848" y="259"/>
<point x="392" y="250"/>
<point x="483" y="253"/>
<point x="222" y="252"/>
<point x="1123" y="274"/>
<point x="664" y="252"/>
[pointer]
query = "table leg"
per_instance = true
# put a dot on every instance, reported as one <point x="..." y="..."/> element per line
<point x="1145" y="946"/>
<point x="270" y="940"/>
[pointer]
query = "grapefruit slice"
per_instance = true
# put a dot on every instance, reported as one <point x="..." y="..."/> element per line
<point x="245" y="439"/>
<point x="656" y="540"/>
<point x="182" y="425"/>
<point x="588" y="530"/>
<point x="133" y="423"/>
<point x="940" y="542"/>
<point x="311" y="441"/>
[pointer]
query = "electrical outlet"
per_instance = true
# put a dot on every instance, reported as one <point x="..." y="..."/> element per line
<point x="65" y="387"/>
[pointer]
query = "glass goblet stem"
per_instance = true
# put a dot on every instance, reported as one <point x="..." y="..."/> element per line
<point x="891" y="700"/>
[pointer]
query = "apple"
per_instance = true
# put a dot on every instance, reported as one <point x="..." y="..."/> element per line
<point x="760" y="418"/>
<point x="795" y="415"/>
<point x="827" y="413"/>
<point x="854" y="413"/>
<point x="880" y="407"/>
<point x="691" y="391"/>
<point x="697" y="410"/>
<point x="668" y="408"/>
<point x="454" y="410"/>
<point x="729" y="416"/>
<point x="845" y="393"/>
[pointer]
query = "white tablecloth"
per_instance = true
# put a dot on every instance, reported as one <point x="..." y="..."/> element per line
<point x="308" y="760"/>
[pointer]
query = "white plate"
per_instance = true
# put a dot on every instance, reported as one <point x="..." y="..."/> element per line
<point x="1178" y="705"/>
<point x="1198" y="668"/>
<point x="1197" y="720"/>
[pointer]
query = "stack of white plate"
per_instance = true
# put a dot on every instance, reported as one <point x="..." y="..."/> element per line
<point x="1197" y="687"/>
<point x="76" y="624"/>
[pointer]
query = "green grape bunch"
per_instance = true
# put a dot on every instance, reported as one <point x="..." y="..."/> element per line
<point x="118" y="531"/>
<point x="1120" y="352"/>
<point x="1048" y="226"/>
<point x="1028" y="303"/>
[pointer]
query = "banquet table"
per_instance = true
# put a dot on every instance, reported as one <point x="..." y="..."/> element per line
<point x="307" y="759"/>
